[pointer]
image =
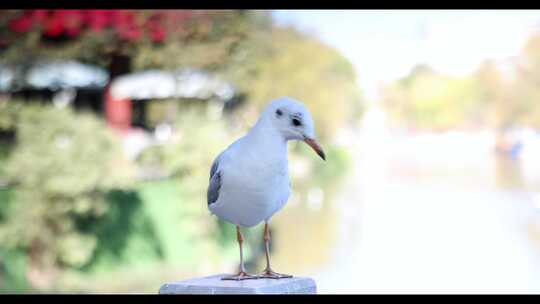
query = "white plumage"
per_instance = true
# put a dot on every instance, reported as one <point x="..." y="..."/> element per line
<point x="249" y="181"/>
<point x="254" y="179"/>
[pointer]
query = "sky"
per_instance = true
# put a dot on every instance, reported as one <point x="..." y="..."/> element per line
<point x="384" y="45"/>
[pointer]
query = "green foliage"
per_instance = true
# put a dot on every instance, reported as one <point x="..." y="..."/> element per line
<point x="4" y="154"/>
<point x="288" y="63"/>
<point x="510" y="94"/>
<point x="506" y="100"/>
<point x="63" y="165"/>
<point x="209" y="40"/>
<point x="326" y="175"/>
<point x="197" y="140"/>
<point x="334" y="168"/>
<point x="75" y="206"/>
<point x="125" y="235"/>
<point x="12" y="261"/>
<point x="6" y="195"/>
<point x="217" y="43"/>
<point x="526" y="84"/>
<point x="12" y="270"/>
<point x="9" y="110"/>
<point x="182" y="221"/>
<point x="497" y="95"/>
<point x="164" y="221"/>
<point x="428" y="100"/>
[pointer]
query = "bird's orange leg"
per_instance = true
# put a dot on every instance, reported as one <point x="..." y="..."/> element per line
<point x="268" y="273"/>
<point x="242" y="274"/>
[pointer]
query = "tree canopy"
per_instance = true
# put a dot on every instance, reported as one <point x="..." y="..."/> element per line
<point x="291" y="64"/>
<point x="154" y="38"/>
<point x="427" y="99"/>
<point x="499" y="94"/>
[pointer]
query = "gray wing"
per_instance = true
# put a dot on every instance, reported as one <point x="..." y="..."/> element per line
<point x="215" y="182"/>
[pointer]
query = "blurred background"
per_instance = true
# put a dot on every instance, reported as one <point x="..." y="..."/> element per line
<point x="110" y="120"/>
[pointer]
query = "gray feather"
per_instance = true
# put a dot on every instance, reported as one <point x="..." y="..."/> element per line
<point x="215" y="183"/>
<point x="214" y="168"/>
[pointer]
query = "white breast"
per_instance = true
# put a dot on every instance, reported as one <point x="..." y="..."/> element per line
<point x="253" y="188"/>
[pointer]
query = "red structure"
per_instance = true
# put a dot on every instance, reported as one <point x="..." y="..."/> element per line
<point x="117" y="111"/>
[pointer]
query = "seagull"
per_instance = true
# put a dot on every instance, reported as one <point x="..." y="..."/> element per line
<point x="249" y="181"/>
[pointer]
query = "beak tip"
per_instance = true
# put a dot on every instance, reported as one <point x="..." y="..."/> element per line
<point x="313" y="144"/>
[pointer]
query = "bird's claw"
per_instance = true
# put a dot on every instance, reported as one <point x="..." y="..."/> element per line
<point x="242" y="275"/>
<point x="270" y="274"/>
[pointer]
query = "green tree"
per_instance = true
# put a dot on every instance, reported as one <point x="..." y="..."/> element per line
<point x="285" y="62"/>
<point x="497" y="93"/>
<point x="527" y="82"/>
<point x="63" y="166"/>
<point x="428" y="100"/>
<point x="125" y="40"/>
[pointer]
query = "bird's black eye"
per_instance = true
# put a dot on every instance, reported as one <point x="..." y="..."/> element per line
<point x="296" y="122"/>
<point x="278" y="112"/>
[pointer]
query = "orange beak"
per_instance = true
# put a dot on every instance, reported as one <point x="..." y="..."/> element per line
<point x="315" y="146"/>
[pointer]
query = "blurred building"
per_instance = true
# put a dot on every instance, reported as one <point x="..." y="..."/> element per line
<point x="124" y="100"/>
<point x="132" y="91"/>
<point x="58" y="82"/>
<point x="83" y="86"/>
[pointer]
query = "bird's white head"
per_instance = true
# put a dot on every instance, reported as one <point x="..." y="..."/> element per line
<point x="293" y="121"/>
